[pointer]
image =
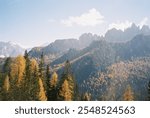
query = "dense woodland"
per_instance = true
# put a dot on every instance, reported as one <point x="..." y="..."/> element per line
<point x="25" y="79"/>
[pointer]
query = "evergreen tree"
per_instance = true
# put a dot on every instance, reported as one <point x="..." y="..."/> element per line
<point x="52" y="92"/>
<point x="35" y="83"/>
<point x="6" y="67"/>
<point x="26" y="86"/>
<point x="47" y="72"/>
<point x="31" y="86"/>
<point x="41" y="66"/>
<point x="149" y="91"/>
<point x="27" y="66"/>
<point x="128" y="95"/>
<point x="47" y="80"/>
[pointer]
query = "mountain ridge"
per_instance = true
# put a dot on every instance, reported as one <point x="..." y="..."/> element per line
<point x="10" y="49"/>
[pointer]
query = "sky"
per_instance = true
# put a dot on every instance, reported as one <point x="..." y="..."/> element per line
<point x="32" y="23"/>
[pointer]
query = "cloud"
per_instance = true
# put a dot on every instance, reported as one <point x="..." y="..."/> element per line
<point x="124" y="25"/>
<point x="143" y="22"/>
<point x="91" y="18"/>
<point x="120" y="25"/>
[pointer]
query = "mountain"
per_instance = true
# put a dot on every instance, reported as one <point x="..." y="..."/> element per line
<point x="61" y="46"/>
<point x="102" y="65"/>
<point x="90" y="63"/>
<point x="115" y="35"/>
<point x="10" y="49"/>
<point x="137" y="47"/>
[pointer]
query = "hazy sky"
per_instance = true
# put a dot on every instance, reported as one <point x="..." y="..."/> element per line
<point x="34" y="22"/>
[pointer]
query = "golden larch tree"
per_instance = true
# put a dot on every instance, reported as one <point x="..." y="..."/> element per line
<point x="34" y="65"/>
<point x="65" y="93"/>
<point x="52" y="87"/>
<point x="6" y="85"/>
<point x="53" y="81"/>
<point x="18" y="69"/>
<point x="128" y="94"/>
<point x="42" y="94"/>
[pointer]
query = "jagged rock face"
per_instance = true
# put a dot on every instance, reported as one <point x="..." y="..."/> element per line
<point x="128" y="34"/>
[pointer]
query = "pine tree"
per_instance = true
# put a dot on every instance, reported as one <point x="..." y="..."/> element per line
<point x="41" y="66"/>
<point x="149" y="91"/>
<point x="52" y="92"/>
<point x="30" y="85"/>
<point x="27" y="65"/>
<point x="6" y="66"/>
<point x="47" y="72"/>
<point x="42" y="94"/>
<point x="47" y="80"/>
<point x="26" y="86"/>
<point x="65" y="93"/>
<point x="128" y="95"/>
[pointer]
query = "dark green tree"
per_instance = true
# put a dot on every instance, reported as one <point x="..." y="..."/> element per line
<point x="47" y="77"/>
<point x="149" y="91"/>
<point x="5" y="93"/>
<point x="6" y="67"/>
<point x="41" y="66"/>
<point x="28" y="64"/>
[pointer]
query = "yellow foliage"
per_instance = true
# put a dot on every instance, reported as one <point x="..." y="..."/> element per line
<point x="34" y="65"/>
<point x="118" y="70"/>
<point x="87" y="97"/>
<point x="54" y="79"/>
<point x="6" y="85"/>
<point x="128" y="95"/>
<point x="18" y="68"/>
<point x="65" y="92"/>
<point x="42" y="95"/>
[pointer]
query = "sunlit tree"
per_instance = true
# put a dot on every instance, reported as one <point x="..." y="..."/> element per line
<point x="42" y="94"/>
<point x="128" y="94"/>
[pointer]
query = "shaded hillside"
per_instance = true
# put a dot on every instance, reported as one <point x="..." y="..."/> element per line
<point x="137" y="47"/>
<point x="100" y="54"/>
<point x="112" y="84"/>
